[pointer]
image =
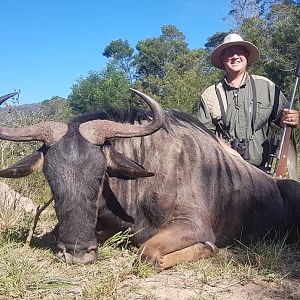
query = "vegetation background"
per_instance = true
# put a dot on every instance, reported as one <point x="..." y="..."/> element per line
<point x="165" y="68"/>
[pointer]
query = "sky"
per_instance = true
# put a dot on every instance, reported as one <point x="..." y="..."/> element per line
<point x="47" y="45"/>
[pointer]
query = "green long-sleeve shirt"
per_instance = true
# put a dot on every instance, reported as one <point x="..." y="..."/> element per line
<point x="238" y="104"/>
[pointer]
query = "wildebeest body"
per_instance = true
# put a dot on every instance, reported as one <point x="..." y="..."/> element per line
<point x="177" y="188"/>
<point x="197" y="188"/>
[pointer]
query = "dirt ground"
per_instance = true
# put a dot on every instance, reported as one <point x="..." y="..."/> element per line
<point x="198" y="281"/>
<point x="170" y="286"/>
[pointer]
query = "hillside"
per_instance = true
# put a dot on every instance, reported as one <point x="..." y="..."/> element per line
<point x="10" y="114"/>
<point x="54" y="109"/>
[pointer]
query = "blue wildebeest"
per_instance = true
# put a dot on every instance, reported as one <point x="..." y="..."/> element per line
<point x="161" y="174"/>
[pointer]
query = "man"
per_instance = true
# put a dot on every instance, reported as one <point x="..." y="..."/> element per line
<point x="241" y="107"/>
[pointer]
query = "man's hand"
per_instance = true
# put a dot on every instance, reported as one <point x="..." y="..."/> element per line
<point x="290" y="117"/>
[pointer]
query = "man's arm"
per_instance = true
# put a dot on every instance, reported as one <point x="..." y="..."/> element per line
<point x="285" y="115"/>
<point x="204" y="116"/>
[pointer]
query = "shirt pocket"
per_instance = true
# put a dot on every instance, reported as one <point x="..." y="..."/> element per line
<point x="263" y="113"/>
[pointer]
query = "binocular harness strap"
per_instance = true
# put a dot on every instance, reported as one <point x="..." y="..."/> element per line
<point x="222" y="109"/>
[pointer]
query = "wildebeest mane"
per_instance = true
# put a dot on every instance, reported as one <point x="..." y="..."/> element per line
<point x="180" y="118"/>
<point x="132" y="115"/>
<point x="113" y="114"/>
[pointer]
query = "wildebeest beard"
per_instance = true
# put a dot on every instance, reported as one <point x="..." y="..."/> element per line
<point x="75" y="169"/>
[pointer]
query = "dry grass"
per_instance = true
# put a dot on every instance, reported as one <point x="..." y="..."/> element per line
<point x="266" y="270"/>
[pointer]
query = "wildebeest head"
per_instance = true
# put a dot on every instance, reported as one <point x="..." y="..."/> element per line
<point x="74" y="160"/>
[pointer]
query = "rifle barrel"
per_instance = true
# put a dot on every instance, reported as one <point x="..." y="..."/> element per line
<point x="294" y="93"/>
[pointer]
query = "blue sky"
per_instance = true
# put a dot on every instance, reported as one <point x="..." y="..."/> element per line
<point x="47" y="45"/>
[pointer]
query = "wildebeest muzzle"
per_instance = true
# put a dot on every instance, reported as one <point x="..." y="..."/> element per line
<point x="77" y="254"/>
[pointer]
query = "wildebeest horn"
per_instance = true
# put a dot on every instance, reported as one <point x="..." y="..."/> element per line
<point x="7" y="96"/>
<point x="47" y="132"/>
<point x="26" y="166"/>
<point x="97" y="131"/>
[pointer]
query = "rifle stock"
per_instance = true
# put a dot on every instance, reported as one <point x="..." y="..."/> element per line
<point x="283" y="155"/>
<point x="285" y="141"/>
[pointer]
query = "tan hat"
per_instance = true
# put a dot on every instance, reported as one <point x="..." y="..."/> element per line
<point x="233" y="39"/>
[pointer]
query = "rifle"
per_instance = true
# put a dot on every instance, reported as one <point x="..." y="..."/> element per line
<point x="7" y="96"/>
<point x="283" y="150"/>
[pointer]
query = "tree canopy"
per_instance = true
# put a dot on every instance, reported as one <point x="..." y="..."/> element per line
<point x="167" y="69"/>
<point x="107" y="87"/>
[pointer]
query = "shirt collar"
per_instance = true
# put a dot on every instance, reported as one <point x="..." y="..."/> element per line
<point x="228" y="87"/>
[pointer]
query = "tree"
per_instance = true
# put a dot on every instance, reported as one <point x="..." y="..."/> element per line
<point x="120" y="54"/>
<point x="277" y="35"/>
<point x="215" y="40"/>
<point x="168" y="70"/>
<point x="57" y="108"/>
<point x="154" y="54"/>
<point x="285" y="42"/>
<point x="183" y="81"/>
<point x="108" y="87"/>
<point x="242" y="10"/>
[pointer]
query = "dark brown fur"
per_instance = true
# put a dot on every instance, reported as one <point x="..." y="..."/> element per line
<point x="199" y="193"/>
<point x="199" y="198"/>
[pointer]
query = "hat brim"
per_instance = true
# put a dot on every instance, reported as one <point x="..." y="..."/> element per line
<point x="216" y="55"/>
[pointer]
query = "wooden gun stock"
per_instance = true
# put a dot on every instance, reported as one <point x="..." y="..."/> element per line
<point x="282" y="159"/>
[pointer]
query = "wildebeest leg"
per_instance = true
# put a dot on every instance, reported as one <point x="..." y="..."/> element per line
<point x="177" y="243"/>
<point x="191" y="253"/>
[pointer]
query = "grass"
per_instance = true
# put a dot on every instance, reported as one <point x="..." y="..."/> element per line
<point x="32" y="272"/>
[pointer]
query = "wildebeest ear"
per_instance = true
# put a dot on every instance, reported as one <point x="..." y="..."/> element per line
<point x="118" y="165"/>
<point x="26" y="166"/>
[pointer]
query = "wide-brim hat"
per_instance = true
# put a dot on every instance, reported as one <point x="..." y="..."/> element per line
<point x="233" y="39"/>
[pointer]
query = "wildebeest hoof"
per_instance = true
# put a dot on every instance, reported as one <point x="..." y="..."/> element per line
<point x="148" y="255"/>
<point x="211" y="247"/>
<point x="162" y="264"/>
<point x="82" y="257"/>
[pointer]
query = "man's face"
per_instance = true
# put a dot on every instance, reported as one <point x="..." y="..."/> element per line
<point x="235" y="59"/>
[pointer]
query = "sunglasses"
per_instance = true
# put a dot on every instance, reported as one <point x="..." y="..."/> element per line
<point x="231" y="52"/>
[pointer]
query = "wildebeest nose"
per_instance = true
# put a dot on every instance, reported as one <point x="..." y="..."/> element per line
<point x="84" y="256"/>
